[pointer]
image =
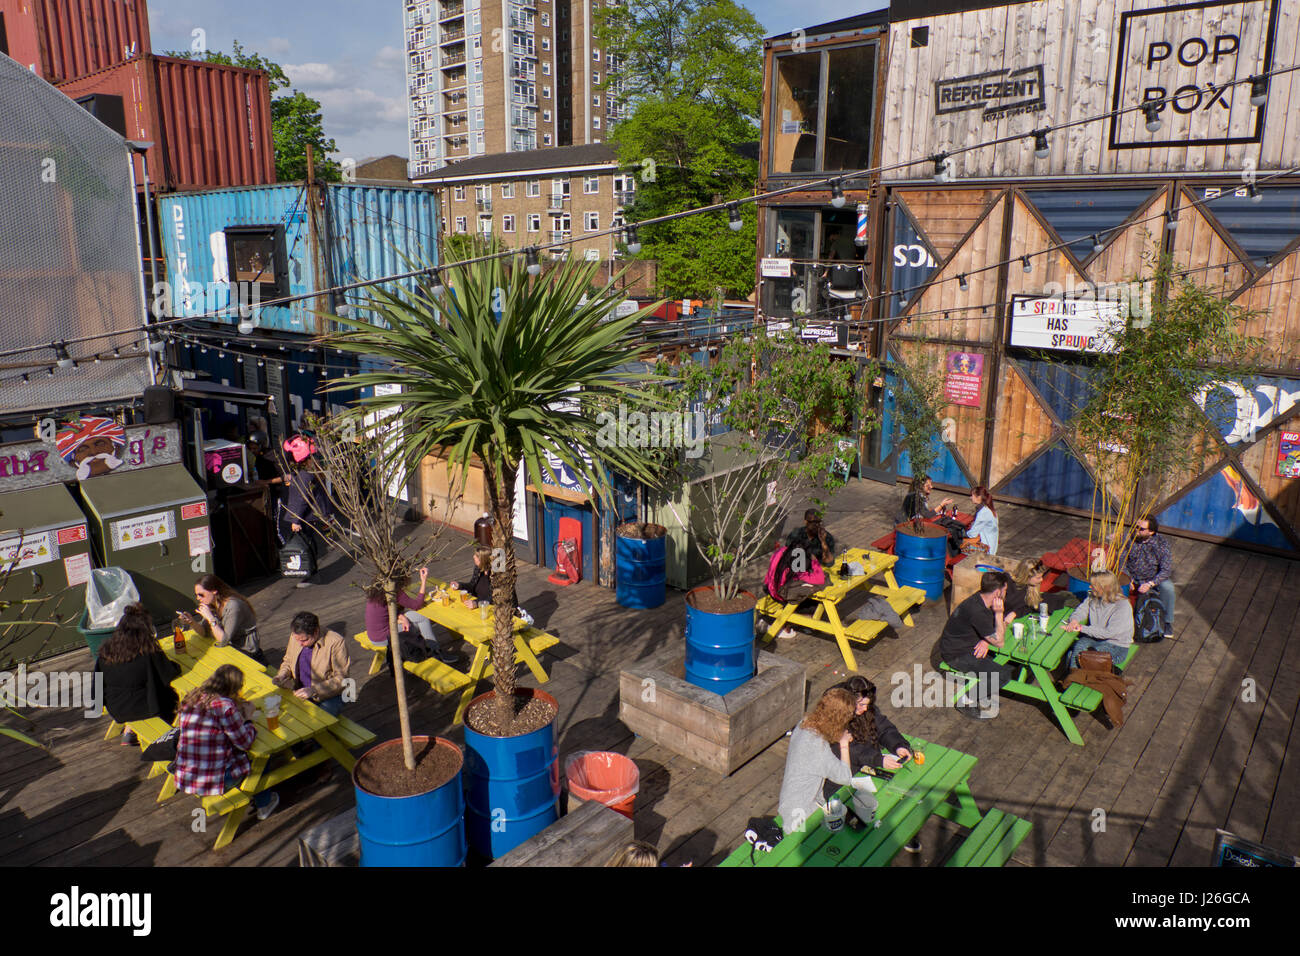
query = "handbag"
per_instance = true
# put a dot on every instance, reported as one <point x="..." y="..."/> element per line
<point x="762" y="834"/>
<point x="1096" y="661"/>
<point x="164" y="748"/>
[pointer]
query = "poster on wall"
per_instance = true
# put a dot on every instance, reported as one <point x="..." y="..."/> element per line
<point x="1288" y="455"/>
<point x="961" y="386"/>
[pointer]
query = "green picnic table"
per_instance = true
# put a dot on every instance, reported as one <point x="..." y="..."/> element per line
<point x="907" y="799"/>
<point x="1037" y="655"/>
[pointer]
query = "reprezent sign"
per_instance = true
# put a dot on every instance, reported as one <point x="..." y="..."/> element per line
<point x="1187" y="56"/>
<point x="997" y="93"/>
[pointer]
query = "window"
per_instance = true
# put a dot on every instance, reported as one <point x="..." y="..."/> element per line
<point x="462" y="224"/>
<point x="546" y="139"/>
<point x="590" y="185"/>
<point x="508" y="192"/>
<point x="477" y="46"/>
<point x="595" y="122"/>
<point x="595" y="78"/>
<point x="595" y="55"/>
<point x="478" y="77"/>
<point x="534" y="222"/>
<point x="546" y="116"/>
<point x="812" y="131"/>
<point x="560" y="187"/>
<point x="485" y="225"/>
<point x="460" y="193"/>
<point x="546" y="19"/>
<point x="478" y="116"/>
<point x="533" y="189"/>
<point x="257" y="256"/>
<point x="474" y="20"/>
<point x="546" y="92"/>
<point x="546" y="68"/>
<point x="507" y="223"/>
<point x="546" y="44"/>
<point x="592" y="223"/>
<point x="595" y="100"/>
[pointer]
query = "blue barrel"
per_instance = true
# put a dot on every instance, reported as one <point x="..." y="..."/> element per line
<point x="427" y="829"/>
<point x="640" y="573"/>
<point x="921" y="560"/>
<point x="719" y="647"/>
<point x="514" y="783"/>
<point x="1080" y="586"/>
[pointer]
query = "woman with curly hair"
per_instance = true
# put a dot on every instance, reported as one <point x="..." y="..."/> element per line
<point x="216" y="731"/>
<point x="137" y="674"/>
<point x="812" y="761"/>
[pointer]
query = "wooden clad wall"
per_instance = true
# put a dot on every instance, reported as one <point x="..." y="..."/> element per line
<point x="1094" y="56"/>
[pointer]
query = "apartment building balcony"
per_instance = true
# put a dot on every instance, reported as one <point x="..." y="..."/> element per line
<point x="624" y="197"/>
<point x="452" y="59"/>
<point x="483" y="204"/>
<point x="518" y="22"/>
<point x="523" y="4"/>
<point x="452" y="36"/>
<point x="447" y="11"/>
<point x="529" y="73"/>
<point x="523" y="99"/>
<point x="557" y="201"/>
<point x="453" y="99"/>
<point x="560" y="235"/>
<point x="453" y="81"/>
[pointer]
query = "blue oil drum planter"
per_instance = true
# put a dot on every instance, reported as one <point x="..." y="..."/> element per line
<point x="922" y="558"/>
<point x="640" y="572"/>
<point x="513" y="782"/>
<point x="1078" y="582"/>
<point x="719" y="647"/>
<point x="426" y="829"/>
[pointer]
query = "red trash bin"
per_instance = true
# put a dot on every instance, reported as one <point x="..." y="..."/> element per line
<point x="610" y="778"/>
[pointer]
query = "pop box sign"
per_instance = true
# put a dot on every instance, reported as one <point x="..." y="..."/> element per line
<point x="1062" y="325"/>
<point x="86" y="448"/>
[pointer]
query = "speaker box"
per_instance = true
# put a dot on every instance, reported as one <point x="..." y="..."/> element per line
<point x="159" y="405"/>
<point x="106" y="108"/>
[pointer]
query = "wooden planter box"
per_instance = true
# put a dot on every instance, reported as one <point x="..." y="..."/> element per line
<point x="720" y="733"/>
<point x="589" y="835"/>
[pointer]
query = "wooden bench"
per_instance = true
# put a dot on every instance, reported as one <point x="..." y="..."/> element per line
<point x="1076" y="696"/>
<point x="351" y="734"/>
<point x="443" y="678"/>
<point x="589" y="835"/>
<point x="146" y="732"/>
<point x="902" y="599"/>
<point x="993" y="841"/>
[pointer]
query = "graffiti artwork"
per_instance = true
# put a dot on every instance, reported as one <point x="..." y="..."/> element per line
<point x="92" y="445"/>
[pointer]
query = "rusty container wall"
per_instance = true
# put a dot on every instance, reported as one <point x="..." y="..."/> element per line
<point x="210" y="124"/>
<point x="216" y="124"/>
<point x="67" y="39"/>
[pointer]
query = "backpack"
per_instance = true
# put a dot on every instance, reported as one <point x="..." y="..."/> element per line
<point x="762" y="834"/>
<point x="298" y="557"/>
<point x="1149" y="622"/>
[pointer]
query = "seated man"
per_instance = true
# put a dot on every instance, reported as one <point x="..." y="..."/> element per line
<point x="975" y="627"/>
<point x="1150" y="565"/>
<point x="315" y="666"/>
<point x="816" y="542"/>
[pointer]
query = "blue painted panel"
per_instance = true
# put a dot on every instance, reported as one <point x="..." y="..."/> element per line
<point x="1223" y="505"/>
<point x="1078" y="214"/>
<point x="553" y="511"/>
<point x="1056" y="478"/>
<point x="1262" y="229"/>
<point x="1239" y="408"/>
<point x="945" y="469"/>
<point x="913" y="262"/>
<point x="1065" y="387"/>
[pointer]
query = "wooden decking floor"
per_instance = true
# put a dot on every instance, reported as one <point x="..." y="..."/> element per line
<point x="1208" y="739"/>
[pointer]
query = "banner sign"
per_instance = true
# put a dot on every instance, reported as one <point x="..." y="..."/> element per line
<point x="85" y="448"/>
<point x="775" y="268"/>
<point x="961" y="386"/>
<point x="998" y="93"/>
<point x="1063" y="325"/>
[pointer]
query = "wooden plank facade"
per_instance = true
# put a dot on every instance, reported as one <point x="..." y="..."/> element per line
<point x="1216" y="186"/>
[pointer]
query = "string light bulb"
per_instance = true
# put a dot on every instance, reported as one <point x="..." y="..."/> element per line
<point x="1253" y="193"/>
<point x="961" y="281"/>
<point x="1152" y="111"/>
<point x="1097" y="244"/>
<point x="633" y="240"/>
<point x="534" y="264"/>
<point x="837" y="195"/>
<point x="435" y="282"/>
<point x="941" y="167"/>
<point x="61" y="354"/>
<point x="1258" y="90"/>
<point x="1171" y="219"/>
<point x="734" y="221"/>
<point x="1041" y="148"/>
<point x="1025" y="265"/>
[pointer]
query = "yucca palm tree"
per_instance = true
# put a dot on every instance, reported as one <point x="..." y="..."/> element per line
<point x="492" y="367"/>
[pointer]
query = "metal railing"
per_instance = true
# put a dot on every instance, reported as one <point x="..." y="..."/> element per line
<point x="451" y="59"/>
<point x="448" y="10"/>
<point x="451" y="36"/>
<point x="557" y="201"/>
<point x="560" y="235"/>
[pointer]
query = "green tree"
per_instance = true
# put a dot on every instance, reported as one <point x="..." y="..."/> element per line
<point x="490" y="369"/>
<point x="295" y="117"/>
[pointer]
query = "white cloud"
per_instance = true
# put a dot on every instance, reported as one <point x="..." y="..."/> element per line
<point x="313" y="77"/>
<point x="277" y="46"/>
<point x="390" y="59"/>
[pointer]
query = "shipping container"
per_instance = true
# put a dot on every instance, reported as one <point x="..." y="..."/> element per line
<point x="293" y="245"/>
<point x="62" y="40"/>
<point x="210" y="124"/>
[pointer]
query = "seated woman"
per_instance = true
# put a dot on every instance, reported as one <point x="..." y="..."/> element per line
<point x="215" y="733"/>
<point x="811" y="762"/>
<point x="982" y="535"/>
<point x="479" y="585"/>
<point x="377" y="618"/>
<point x="917" y="502"/>
<point x="137" y="674"/>
<point x="1105" y="619"/>
<point x="1024" y="594"/>
<point x="225" y="616"/>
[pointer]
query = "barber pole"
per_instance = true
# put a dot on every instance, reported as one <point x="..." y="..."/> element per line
<point x="860" y="239"/>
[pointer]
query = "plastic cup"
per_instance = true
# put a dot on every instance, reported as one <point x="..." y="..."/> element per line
<point x="1018" y="632"/>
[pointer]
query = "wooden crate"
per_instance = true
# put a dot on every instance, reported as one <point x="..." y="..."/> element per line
<point x="587" y="836"/>
<point x="720" y="733"/>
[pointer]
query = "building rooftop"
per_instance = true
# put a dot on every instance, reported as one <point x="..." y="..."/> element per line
<point x="526" y="161"/>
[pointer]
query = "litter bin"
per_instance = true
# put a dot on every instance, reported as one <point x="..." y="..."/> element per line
<point x="609" y="778"/>
<point x="54" y="562"/>
<point x="93" y="636"/>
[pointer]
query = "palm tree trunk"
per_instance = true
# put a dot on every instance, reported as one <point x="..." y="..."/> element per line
<point x="399" y="677"/>
<point x="501" y="494"/>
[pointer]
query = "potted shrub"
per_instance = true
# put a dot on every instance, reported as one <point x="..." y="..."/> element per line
<point x="488" y="367"/>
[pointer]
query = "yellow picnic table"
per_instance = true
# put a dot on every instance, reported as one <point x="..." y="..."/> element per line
<point x="826" y="618"/>
<point x="299" y="721"/>
<point x="477" y="631"/>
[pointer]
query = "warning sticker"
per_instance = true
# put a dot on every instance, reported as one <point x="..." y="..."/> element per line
<point x="196" y="510"/>
<point x="69" y="535"/>
<point x="143" y="529"/>
<point x="200" y="541"/>
<point x="77" y="567"/>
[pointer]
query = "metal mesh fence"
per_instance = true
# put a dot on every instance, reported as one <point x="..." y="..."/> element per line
<point x="69" y="253"/>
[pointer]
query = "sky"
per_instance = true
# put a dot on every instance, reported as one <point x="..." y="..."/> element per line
<point x="350" y="56"/>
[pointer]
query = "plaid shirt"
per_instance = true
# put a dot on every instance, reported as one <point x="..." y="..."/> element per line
<point x="213" y="741"/>
<point x="1150" y="560"/>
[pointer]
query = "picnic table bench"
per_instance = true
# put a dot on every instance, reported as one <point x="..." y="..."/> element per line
<point x="1036" y="661"/>
<point x="477" y="632"/>
<point x="907" y="799"/>
<point x="300" y="721"/>
<point x="826" y="618"/>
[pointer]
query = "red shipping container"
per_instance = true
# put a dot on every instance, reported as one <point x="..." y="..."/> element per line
<point x="66" y="39"/>
<point x="210" y="124"/>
